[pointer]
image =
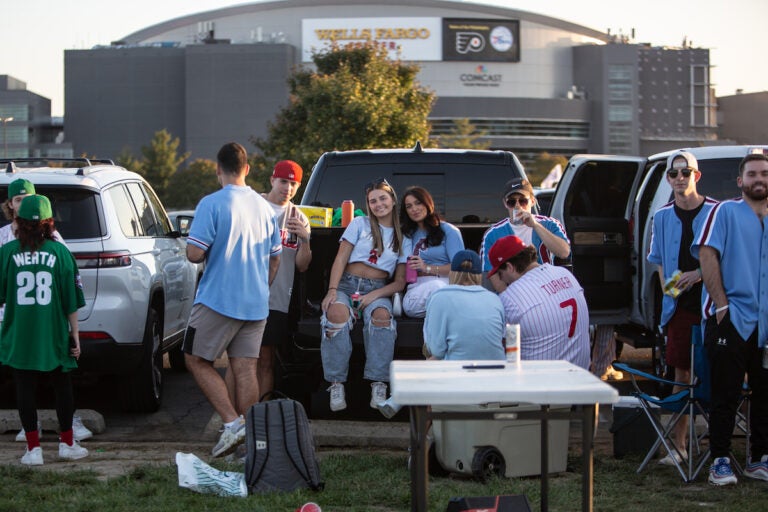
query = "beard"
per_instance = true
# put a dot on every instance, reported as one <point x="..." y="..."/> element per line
<point x="755" y="195"/>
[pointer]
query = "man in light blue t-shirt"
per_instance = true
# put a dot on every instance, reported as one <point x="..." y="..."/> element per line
<point x="235" y="232"/>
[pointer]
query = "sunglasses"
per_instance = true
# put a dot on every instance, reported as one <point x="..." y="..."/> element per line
<point x="672" y="173"/>
<point x="375" y="184"/>
<point x="512" y="201"/>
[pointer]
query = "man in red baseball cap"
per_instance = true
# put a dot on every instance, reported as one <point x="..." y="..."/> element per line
<point x="547" y="301"/>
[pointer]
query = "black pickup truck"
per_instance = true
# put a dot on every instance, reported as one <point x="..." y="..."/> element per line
<point x="466" y="186"/>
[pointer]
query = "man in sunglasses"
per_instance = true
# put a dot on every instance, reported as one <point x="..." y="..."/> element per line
<point x="674" y="227"/>
<point x="546" y="234"/>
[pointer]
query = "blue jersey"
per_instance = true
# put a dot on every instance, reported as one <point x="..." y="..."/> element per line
<point x="504" y="228"/>
<point x="734" y="230"/>
<point x="237" y="229"/>
<point x="665" y="245"/>
<point x="436" y="255"/>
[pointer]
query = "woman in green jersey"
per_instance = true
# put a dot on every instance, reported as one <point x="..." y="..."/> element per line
<point x="41" y="289"/>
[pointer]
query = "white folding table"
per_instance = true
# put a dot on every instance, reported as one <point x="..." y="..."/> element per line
<point x="419" y="384"/>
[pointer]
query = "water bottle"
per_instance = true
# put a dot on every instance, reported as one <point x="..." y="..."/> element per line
<point x="411" y="274"/>
<point x="512" y="343"/>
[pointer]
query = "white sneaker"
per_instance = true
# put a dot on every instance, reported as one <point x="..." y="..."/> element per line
<point x="230" y="437"/>
<point x="338" y="403"/>
<point x="33" y="458"/>
<point x="79" y="431"/>
<point x="389" y="408"/>
<point x="668" y="460"/>
<point x="73" y="452"/>
<point x="378" y="394"/>
<point x="22" y="436"/>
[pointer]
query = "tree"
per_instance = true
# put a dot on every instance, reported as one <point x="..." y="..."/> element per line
<point x="161" y="160"/>
<point x="463" y="135"/>
<point x="544" y="163"/>
<point x="126" y="159"/>
<point x="356" y="98"/>
<point x="188" y="186"/>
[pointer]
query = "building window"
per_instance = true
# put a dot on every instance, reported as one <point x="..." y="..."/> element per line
<point x="621" y="90"/>
<point x="495" y="127"/>
<point x="703" y="103"/>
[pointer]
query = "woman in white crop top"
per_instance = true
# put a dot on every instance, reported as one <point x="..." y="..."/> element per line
<point x="368" y="269"/>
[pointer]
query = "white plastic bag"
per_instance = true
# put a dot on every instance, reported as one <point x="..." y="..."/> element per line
<point x="198" y="476"/>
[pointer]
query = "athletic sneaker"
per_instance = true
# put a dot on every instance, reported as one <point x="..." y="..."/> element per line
<point x="758" y="470"/>
<point x="667" y="461"/>
<point x="720" y="472"/>
<point x="72" y="452"/>
<point x="389" y="408"/>
<point x="338" y="403"/>
<point x="378" y="394"/>
<point x="33" y="457"/>
<point x="230" y="437"/>
<point x="79" y="431"/>
<point x="22" y="436"/>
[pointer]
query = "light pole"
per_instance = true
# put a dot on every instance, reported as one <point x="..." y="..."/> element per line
<point x="5" y="120"/>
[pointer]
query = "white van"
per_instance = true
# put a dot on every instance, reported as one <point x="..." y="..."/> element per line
<point x="606" y="203"/>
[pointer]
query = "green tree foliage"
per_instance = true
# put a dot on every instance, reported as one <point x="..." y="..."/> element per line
<point x="542" y="165"/>
<point x="126" y="159"/>
<point x="356" y="98"/>
<point x="161" y="160"/>
<point x="463" y="135"/>
<point x="188" y="186"/>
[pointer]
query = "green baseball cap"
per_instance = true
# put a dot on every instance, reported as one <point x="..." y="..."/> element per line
<point x="20" y="187"/>
<point x="35" y="207"/>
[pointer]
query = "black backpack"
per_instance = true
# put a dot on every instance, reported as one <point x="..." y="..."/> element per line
<point x="280" y="448"/>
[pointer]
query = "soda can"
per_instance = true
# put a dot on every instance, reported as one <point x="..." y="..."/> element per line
<point x="512" y="343"/>
<point x="354" y="301"/>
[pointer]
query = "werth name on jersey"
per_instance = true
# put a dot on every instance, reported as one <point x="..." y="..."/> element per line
<point x="557" y="285"/>
<point x="35" y="258"/>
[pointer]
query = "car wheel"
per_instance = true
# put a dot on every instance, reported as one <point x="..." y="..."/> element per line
<point x="488" y="462"/>
<point x="141" y="392"/>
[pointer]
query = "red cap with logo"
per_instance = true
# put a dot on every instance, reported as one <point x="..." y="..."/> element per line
<point x="288" y="170"/>
<point x="503" y="249"/>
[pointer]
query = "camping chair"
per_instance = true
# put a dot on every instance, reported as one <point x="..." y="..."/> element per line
<point x="691" y="401"/>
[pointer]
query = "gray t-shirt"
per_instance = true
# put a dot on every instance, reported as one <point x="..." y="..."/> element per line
<point x="282" y="286"/>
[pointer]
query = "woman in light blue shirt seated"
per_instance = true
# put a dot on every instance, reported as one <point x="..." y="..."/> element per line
<point x="464" y="320"/>
<point x="430" y="244"/>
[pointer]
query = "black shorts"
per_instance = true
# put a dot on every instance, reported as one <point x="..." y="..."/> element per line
<point x="277" y="330"/>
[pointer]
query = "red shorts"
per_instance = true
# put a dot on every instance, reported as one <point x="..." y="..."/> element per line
<point x="679" y="338"/>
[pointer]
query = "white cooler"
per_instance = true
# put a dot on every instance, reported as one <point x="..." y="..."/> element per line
<point x="481" y="447"/>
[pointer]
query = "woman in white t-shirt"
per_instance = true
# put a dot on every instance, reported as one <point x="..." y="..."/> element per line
<point x="368" y="269"/>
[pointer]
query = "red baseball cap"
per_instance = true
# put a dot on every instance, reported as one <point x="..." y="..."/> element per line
<point x="503" y="249"/>
<point x="288" y="170"/>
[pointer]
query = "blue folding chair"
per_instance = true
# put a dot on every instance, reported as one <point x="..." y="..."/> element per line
<point x="692" y="401"/>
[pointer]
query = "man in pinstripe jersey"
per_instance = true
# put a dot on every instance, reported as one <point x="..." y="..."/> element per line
<point x="547" y="301"/>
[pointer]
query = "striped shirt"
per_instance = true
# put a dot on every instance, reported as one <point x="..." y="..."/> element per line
<point x="548" y="303"/>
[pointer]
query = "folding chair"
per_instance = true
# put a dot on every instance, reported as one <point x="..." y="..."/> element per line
<point x="691" y="401"/>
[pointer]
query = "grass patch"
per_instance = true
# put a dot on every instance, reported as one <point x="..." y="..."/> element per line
<point x="372" y="481"/>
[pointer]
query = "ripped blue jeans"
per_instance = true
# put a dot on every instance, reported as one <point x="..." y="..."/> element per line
<point x="379" y="342"/>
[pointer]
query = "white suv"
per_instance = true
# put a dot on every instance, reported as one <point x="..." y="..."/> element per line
<point x="139" y="286"/>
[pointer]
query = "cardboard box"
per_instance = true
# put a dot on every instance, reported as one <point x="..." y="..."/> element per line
<point x="631" y="429"/>
<point x="318" y="216"/>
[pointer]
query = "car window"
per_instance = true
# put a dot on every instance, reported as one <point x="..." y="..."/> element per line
<point x="463" y="192"/>
<point x="76" y="212"/>
<point x="144" y="209"/>
<point x="126" y="214"/>
<point x="718" y="178"/>
<point x="160" y="216"/>
<point x="603" y="189"/>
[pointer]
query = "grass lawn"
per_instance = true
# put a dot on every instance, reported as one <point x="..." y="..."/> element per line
<point x="373" y="481"/>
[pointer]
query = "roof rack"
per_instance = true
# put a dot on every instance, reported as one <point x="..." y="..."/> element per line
<point x="11" y="162"/>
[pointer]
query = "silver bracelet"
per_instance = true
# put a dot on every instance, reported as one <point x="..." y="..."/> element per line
<point x="720" y="310"/>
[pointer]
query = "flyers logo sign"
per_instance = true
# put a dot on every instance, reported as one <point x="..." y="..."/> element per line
<point x="469" y="42"/>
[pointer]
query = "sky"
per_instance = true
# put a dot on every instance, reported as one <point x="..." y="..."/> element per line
<point x="35" y="33"/>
